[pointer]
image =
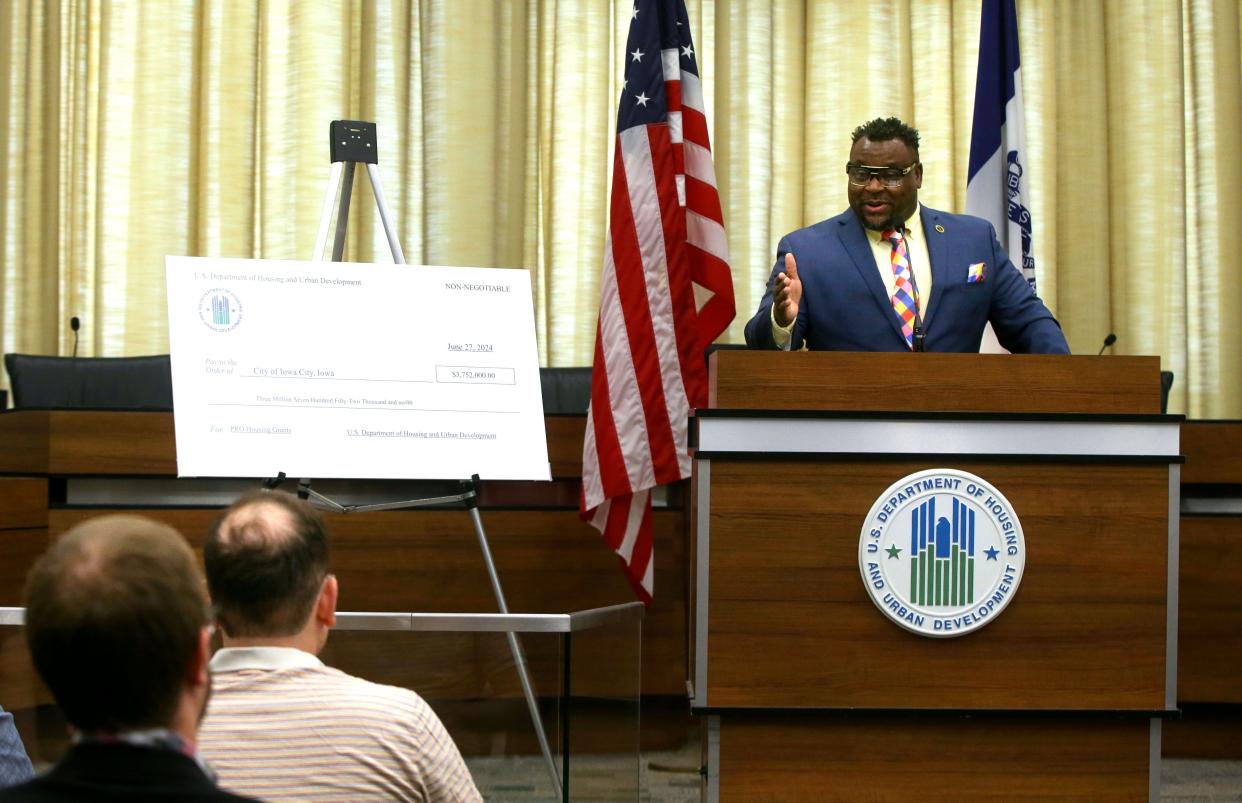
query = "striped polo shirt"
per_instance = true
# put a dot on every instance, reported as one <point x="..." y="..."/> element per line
<point x="282" y="726"/>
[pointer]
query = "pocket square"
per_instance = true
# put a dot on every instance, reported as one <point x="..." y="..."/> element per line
<point x="975" y="273"/>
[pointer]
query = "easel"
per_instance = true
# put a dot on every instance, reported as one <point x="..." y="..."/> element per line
<point x="353" y="143"/>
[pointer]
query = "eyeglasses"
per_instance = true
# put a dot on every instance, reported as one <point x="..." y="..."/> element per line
<point x="861" y="175"/>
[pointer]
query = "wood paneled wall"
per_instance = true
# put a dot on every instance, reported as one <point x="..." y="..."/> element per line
<point x="549" y="560"/>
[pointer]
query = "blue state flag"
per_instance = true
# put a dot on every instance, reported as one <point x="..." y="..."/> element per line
<point x="997" y="186"/>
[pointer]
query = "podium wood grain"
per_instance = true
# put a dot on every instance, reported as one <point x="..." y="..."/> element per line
<point x="1209" y="685"/>
<point x="821" y="697"/>
<point x="1004" y="383"/>
<point x="791" y="624"/>
<point x="1213" y="452"/>
<point x="881" y="759"/>
<point x="1210" y="611"/>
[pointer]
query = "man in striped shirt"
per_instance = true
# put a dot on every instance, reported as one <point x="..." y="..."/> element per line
<point x="280" y="724"/>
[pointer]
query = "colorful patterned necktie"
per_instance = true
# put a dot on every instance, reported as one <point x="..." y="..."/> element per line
<point x="904" y="295"/>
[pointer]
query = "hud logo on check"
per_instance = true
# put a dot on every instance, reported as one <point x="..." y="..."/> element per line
<point x="941" y="552"/>
<point x="220" y="309"/>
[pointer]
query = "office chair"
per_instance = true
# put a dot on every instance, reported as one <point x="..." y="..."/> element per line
<point x="91" y="383"/>
<point x="566" y="391"/>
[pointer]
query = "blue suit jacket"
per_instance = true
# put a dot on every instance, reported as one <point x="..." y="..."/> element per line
<point x="845" y="306"/>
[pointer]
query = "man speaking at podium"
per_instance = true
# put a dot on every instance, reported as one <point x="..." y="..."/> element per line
<point x="891" y="275"/>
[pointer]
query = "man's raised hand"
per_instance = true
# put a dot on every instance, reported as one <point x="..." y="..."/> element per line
<point x="786" y="293"/>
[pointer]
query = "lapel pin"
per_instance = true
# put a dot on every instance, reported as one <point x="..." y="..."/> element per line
<point x="939" y="228"/>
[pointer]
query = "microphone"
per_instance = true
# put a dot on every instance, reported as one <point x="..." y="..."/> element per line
<point x="1108" y="341"/>
<point x="918" y="336"/>
<point x="75" y="325"/>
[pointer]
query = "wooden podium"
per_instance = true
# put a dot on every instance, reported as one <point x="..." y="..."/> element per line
<point x="810" y="692"/>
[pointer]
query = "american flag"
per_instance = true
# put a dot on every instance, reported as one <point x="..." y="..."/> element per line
<point x="666" y="291"/>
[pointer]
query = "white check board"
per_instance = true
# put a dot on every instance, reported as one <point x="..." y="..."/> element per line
<point x="333" y="369"/>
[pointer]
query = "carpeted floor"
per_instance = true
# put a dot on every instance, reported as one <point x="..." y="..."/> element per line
<point x="669" y="777"/>
<point x="1185" y="780"/>
<point x="673" y="777"/>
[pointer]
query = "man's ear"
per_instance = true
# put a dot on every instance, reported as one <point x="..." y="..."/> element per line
<point x="325" y="606"/>
<point x="197" y="672"/>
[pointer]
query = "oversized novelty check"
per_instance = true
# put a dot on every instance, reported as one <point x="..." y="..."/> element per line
<point x="333" y="369"/>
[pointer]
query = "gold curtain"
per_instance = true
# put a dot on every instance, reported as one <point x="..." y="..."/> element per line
<point x="135" y="129"/>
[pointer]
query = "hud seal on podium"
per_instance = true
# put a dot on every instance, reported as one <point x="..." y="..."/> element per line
<point x="941" y="552"/>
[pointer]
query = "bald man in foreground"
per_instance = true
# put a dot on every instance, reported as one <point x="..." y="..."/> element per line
<point x="281" y="725"/>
